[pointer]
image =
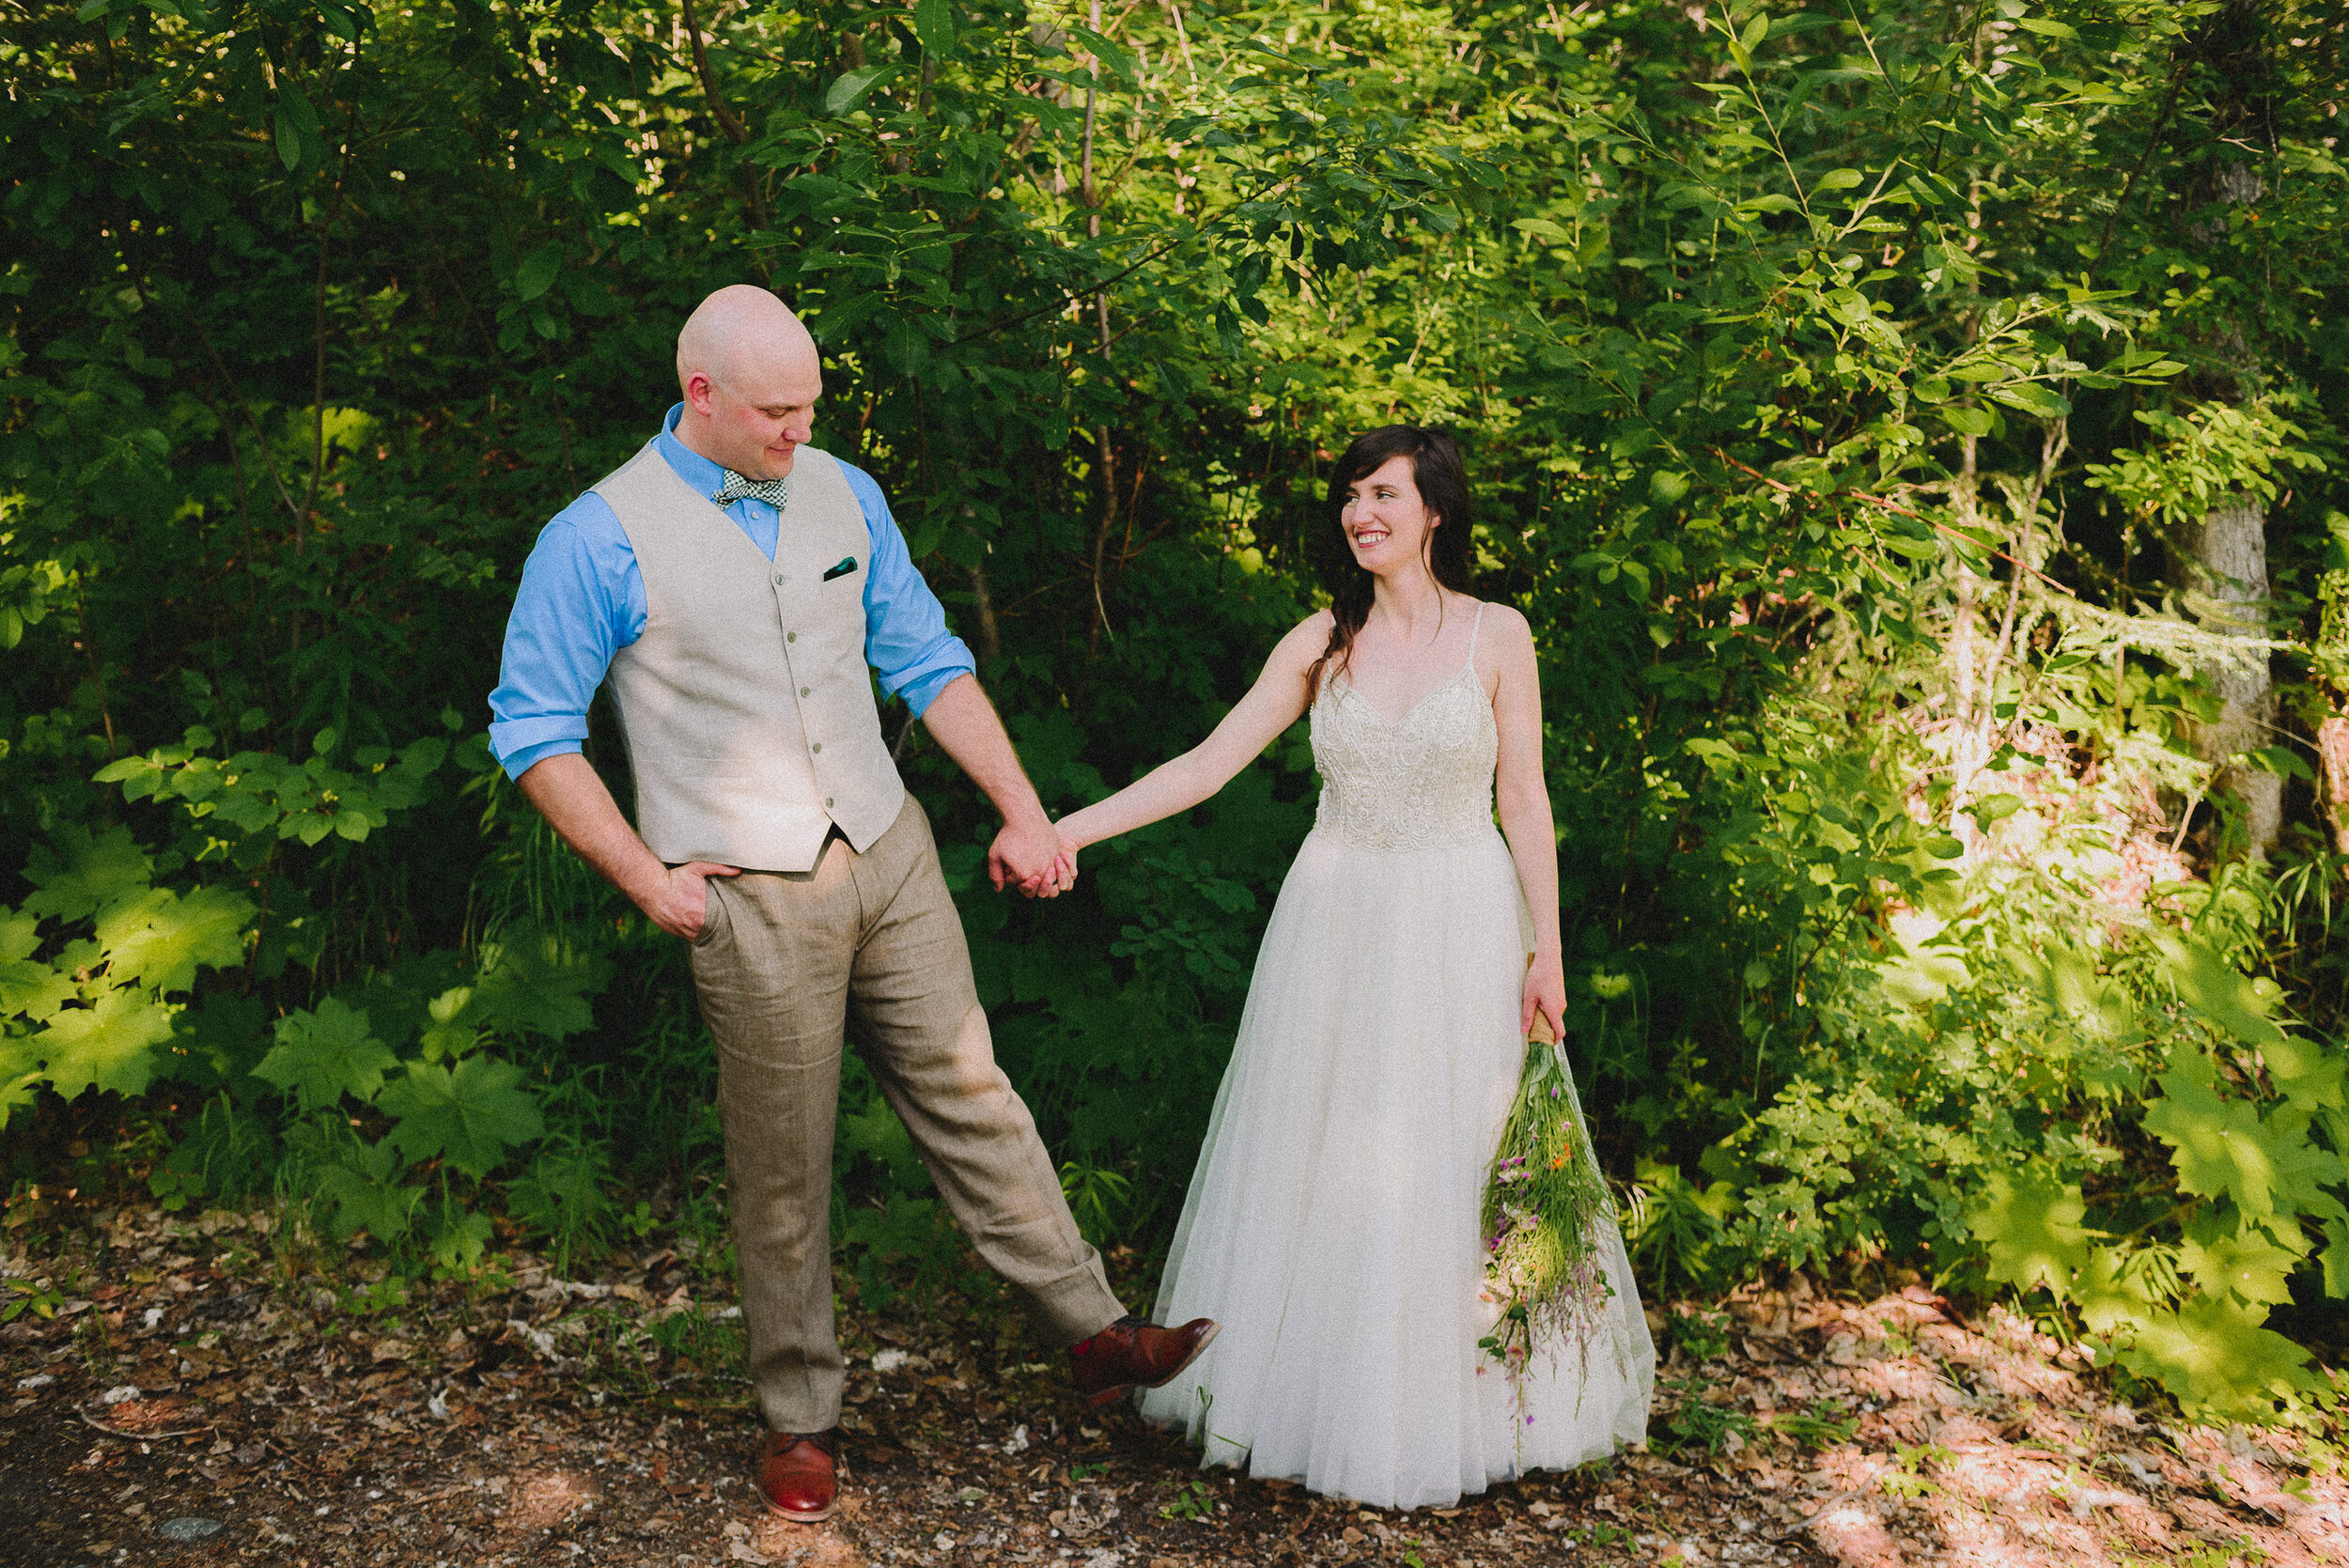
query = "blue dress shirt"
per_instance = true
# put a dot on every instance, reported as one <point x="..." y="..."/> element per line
<point x="582" y="599"/>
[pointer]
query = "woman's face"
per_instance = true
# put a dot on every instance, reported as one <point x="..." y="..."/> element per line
<point x="1385" y="520"/>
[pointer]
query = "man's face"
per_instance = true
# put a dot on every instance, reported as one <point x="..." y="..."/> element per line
<point x="756" y="419"/>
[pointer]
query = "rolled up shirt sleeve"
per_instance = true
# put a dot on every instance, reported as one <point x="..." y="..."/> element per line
<point x="905" y="639"/>
<point x="580" y="600"/>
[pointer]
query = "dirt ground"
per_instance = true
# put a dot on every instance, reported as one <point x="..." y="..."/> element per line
<point x="184" y="1405"/>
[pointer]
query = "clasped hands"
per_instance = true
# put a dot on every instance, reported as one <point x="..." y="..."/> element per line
<point x="1033" y="858"/>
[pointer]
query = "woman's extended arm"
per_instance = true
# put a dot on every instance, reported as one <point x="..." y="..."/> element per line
<point x="1271" y="705"/>
<point x="1523" y="799"/>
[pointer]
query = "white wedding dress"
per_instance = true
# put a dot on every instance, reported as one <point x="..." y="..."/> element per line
<point x="1333" y="1221"/>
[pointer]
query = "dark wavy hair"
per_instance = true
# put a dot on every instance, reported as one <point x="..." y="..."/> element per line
<point x="1442" y="486"/>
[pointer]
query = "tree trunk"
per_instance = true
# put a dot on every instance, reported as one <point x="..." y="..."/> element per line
<point x="2332" y="765"/>
<point x="2227" y="570"/>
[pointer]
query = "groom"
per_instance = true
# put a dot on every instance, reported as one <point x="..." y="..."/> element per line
<point x="733" y="584"/>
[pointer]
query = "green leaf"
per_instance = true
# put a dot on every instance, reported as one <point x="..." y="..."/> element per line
<point x="2046" y="28"/>
<point x="28" y="989"/>
<point x="2248" y="1263"/>
<point x="1964" y="421"/>
<point x="2031" y="1224"/>
<point x="2335" y="1258"/>
<point x="468" y="1117"/>
<point x="321" y="1056"/>
<point x="91" y="872"/>
<point x="362" y="1188"/>
<point x="533" y="983"/>
<point x="36" y="991"/>
<point x="2215" y="1360"/>
<point x="288" y="135"/>
<point x="2217" y="991"/>
<point x="877" y="1134"/>
<point x="2032" y="400"/>
<point x="2067" y="981"/>
<point x="534" y="277"/>
<point x="19" y="936"/>
<point x="109" y="1044"/>
<point x="1756" y="30"/>
<point x="2309" y="1074"/>
<point x="2109" y="1293"/>
<point x="850" y="85"/>
<point x="160" y="939"/>
<point x="934" y="25"/>
<point x="459" y="1240"/>
<point x="1994" y="808"/>
<point x="451" y="1032"/>
<point x="1109" y="54"/>
<point x="2224" y="1148"/>
<point x="1838" y="180"/>
<point x="296" y="104"/>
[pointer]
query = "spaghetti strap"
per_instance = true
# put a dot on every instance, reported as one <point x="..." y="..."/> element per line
<point x="1474" y="626"/>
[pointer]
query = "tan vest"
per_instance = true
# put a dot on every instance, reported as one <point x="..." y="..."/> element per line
<point x="747" y="705"/>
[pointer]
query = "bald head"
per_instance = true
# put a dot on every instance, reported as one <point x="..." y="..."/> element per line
<point x="739" y="333"/>
<point x="751" y="376"/>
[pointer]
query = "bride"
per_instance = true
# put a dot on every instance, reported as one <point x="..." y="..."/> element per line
<point x="1332" y="1222"/>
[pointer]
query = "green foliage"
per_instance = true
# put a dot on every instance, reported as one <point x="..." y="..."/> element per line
<point x="323" y="1055"/>
<point x="359" y="1181"/>
<point x="1815" y="1431"/>
<point x="467" y="1116"/>
<point x="1191" y="1499"/>
<point x="87" y="1011"/>
<point x="1695" y="1427"/>
<point x="563" y="1195"/>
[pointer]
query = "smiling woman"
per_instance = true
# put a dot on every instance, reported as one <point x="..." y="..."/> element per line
<point x="1395" y="491"/>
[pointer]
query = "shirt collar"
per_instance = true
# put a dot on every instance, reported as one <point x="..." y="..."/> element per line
<point x="698" y="472"/>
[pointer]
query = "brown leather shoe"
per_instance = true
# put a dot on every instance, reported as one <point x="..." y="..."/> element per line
<point x="799" y="1475"/>
<point x="1130" y="1352"/>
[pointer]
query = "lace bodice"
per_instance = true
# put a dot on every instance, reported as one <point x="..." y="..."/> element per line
<point x="1422" y="782"/>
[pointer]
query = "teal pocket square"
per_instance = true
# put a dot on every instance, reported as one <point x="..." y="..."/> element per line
<point x="847" y="565"/>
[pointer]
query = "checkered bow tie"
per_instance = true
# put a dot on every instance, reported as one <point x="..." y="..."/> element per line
<point x="775" y="493"/>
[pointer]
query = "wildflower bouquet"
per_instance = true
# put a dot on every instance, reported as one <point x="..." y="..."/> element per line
<point x="1546" y="1209"/>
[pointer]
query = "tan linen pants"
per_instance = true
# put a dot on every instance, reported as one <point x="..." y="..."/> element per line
<point x="787" y="963"/>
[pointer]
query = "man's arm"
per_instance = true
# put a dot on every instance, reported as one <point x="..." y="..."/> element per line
<point x="963" y="723"/>
<point x="580" y="598"/>
<point x="571" y="794"/>
<point x="908" y="646"/>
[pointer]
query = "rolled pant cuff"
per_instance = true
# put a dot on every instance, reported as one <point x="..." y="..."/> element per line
<point x="791" y="1422"/>
<point x="1075" y="1309"/>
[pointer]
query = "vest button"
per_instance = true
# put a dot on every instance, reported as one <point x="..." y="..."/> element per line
<point x="817" y="747"/>
<point x="790" y="636"/>
<point x="779" y="579"/>
<point x="804" y="691"/>
<point x="827" y="802"/>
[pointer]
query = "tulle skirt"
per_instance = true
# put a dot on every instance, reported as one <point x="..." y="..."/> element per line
<point x="1331" y="1225"/>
